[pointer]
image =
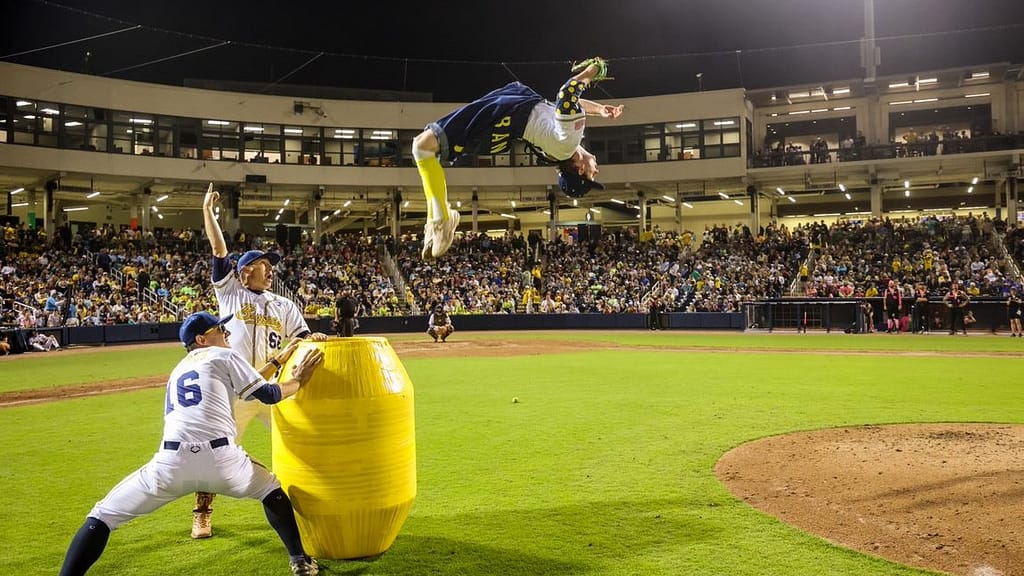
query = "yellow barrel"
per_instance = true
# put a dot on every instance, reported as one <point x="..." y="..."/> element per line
<point x="344" y="448"/>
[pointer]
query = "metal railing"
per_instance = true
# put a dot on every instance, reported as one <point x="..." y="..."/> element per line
<point x="396" y="277"/>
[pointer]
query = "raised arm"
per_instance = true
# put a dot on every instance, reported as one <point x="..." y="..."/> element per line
<point x="213" y="231"/>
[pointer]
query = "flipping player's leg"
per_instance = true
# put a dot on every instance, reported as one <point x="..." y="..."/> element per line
<point x="439" y="231"/>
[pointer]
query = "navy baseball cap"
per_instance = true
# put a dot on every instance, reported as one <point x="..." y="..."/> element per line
<point x="575" y="185"/>
<point x="199" y="323"/>
<point x="254" y="255"/>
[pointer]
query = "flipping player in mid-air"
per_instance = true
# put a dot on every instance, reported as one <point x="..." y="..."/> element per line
<point x="262" y="322"/>
<point x="198" y="446"/>
<point x="553" y="130"/>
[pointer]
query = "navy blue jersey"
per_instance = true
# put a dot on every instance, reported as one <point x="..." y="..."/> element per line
<point x="498" y="117"/>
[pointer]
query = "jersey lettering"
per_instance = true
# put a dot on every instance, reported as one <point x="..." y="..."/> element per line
<point x="504" y="122"/>
<point x="247" y="313"/>
<point x="499" y="143"/>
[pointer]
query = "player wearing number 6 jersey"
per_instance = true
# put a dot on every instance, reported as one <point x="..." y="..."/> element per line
<point x="262" y="322"/>
<point x="198" y="450"/>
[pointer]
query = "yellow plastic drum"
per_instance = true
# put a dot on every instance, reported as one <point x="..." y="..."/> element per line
<point x="344" y="447"/>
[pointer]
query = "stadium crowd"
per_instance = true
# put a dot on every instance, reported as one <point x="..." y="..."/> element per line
<point x="107" y="276"/>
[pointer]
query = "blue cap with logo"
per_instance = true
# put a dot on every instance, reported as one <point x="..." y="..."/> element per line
<point x="254" y="255"/>
<point x="197" y="324"/>
<point x="574" y="185"/>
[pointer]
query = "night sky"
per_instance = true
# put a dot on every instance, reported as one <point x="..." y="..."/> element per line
<point x="459" y="50"/>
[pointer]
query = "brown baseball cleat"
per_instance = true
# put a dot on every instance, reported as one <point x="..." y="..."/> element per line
<point x="202" y="525"/>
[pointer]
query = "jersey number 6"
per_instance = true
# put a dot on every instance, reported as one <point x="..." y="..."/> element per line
<point x="189" y="393"/>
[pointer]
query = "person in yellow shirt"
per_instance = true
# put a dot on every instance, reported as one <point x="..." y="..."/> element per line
<point x="528" y="299"/>
<point x="871" y="292"/>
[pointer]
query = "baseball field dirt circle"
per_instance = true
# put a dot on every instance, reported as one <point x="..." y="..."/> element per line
<point x="938" y="496"/>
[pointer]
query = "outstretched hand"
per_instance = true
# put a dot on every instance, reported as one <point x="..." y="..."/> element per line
<point x="303" y="369"/>
<point x="286" y="353"/>
<point x="317" y="337"/>
<point x="211" y="198"/>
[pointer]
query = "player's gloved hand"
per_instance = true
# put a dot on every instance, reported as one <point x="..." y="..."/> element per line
<point x="602" y="69"/>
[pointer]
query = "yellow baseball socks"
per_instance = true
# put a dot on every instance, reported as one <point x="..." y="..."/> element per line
<point x="434" y="187"/>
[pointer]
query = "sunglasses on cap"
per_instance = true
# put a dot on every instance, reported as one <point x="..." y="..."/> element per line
<point x="218" y="327"/>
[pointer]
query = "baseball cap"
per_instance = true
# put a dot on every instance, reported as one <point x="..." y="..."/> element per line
<point x="254" y="255"/>
<point x="575" y="185"/>
<point x="199" y="323"/>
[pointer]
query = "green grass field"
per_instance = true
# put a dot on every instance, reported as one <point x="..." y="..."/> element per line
<point x="604" y="467"/>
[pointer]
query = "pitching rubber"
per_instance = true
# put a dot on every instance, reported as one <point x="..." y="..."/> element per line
<point x="344" y="448"/>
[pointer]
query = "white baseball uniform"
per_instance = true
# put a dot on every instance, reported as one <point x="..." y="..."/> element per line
<point x="263" y="322"/>
<point x="198" y="450"/>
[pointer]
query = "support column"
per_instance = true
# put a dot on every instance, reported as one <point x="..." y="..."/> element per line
<point x="876" y="200"/>
<point x="145" y="217"/>
<point x="476" y="212"/>
<point x="1012" y="202"/>
<point x="33" y="214"/>
<point x="755" y="209"/>
<point x="999" y="185"/>
<point x="396" y="214"/>
<point x="641" y="200"/>
<point x="553" y="219"/>
<point x="315" y="200"/>
<point x="679" y="213"/>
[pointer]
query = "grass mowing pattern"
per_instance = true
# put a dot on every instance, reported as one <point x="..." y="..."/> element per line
<point x="53" y="369"/>
<point x="603" y="468"/>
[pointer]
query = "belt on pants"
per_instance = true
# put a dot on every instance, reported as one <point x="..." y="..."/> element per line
<point x="215" y="443"/>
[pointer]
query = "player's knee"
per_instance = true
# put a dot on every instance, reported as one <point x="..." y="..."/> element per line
<point x="275" y="495"/>
<point x="425" y="143"/>
<point x="94" y="523"/>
